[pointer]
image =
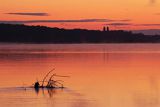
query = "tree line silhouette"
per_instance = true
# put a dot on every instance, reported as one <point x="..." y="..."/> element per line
<point x="13" y="33"/>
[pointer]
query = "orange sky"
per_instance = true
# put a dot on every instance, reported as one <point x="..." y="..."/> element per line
<point x="122" y="14"/>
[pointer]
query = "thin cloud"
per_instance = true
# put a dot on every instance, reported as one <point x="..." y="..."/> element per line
<point x="119" y="24"/>
<point x="29" y="14"/>
<point x="61" y="21"/>
<point x="130" y="24"/>
<point x="157" y="13"/>
<point x="152" y="1"/>
<point x="124" y="20"/>
<point x="56" y="21"/>
<point x="149" y="24"/>
<point x="158" y="24"/>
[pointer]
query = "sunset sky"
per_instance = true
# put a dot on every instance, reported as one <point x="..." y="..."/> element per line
<point x="87" y="14"/>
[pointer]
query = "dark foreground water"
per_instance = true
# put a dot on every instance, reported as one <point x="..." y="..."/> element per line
<point x="106" y="75"/>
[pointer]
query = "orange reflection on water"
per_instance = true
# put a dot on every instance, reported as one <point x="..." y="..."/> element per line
<point x="107" y="79"/>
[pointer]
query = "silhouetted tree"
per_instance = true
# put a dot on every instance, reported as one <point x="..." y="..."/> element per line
<point x="42" y="34"/>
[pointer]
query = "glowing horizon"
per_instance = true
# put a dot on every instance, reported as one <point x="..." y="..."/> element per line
<point x="127" y="15"/>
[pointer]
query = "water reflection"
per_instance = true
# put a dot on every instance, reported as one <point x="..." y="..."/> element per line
<point x="150" y="97"/>
<point x="102" y="79"/>
<point x="18" y="97"/>
<point x="48" y="91"/>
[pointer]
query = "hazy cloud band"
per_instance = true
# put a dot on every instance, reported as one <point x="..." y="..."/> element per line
<point x="119" y="24"/>
<point x="56" y="21"/>
<point x="130" y="24"/>
<point x="30" y="14"/>
<point x="62" y="21"/>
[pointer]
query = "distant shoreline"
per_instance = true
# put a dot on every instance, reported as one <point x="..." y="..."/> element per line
<point x="23" y="34"/>
<point x="3" y="43"/>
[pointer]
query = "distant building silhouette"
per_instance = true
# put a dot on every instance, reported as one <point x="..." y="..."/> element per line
<point x="104" y="29"/>
<point x="107" y="29"/>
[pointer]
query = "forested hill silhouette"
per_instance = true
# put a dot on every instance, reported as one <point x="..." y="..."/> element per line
<point x="10" y="33"/>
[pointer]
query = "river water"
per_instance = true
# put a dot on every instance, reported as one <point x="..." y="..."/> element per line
<point x="100" y="75"/>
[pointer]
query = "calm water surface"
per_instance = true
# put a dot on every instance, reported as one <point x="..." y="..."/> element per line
<point x="105" y="75"/>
